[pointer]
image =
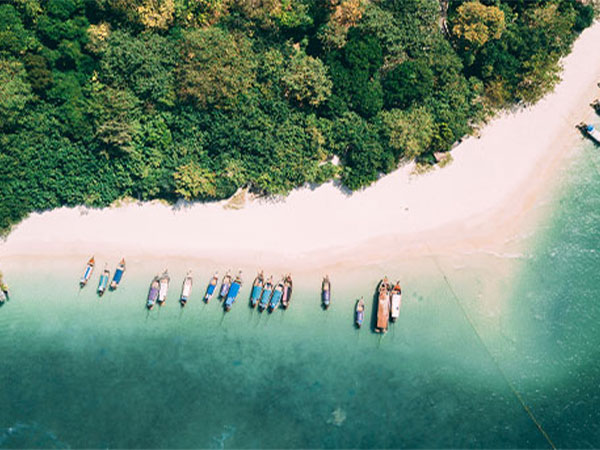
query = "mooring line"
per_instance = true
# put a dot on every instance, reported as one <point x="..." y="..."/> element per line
<point x="510" y="385"/>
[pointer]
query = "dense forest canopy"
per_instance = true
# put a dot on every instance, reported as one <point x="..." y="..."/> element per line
<point x="102" y="99"/>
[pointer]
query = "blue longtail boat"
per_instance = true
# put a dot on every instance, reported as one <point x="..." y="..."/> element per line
<point x="153" y="293"/>
<point x="257" y="288"/>
<point x="326" y="292"/>
<point x="234" y="290"/>
<point x="276" y="297"/>
<point x="359" y="314"/>
<point x="210" y="289"/>
<point x="114" y="284"/>
<point x="103" y="283"/>
<point x="266" y="294"/>
<point x="225" y="286"/>
<point x="87" y="273"/>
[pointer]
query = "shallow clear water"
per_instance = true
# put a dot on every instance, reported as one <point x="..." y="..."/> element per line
<point x="78" y="371"/>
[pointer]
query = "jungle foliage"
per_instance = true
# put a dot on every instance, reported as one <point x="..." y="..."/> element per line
<point x="101" y="99"/>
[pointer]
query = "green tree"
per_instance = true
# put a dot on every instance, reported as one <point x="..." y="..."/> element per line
<point x="409" y="82"/>
<point x="193" y="182"/>
<point x="305" y="80"/>
<point x="216" y="67"/>
<point x="477" y="23"/>
<point x="15" y="93"/>
<point x="410" y="132"/>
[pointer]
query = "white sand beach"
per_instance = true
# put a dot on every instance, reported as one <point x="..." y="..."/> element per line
<point x="479" y="199"/>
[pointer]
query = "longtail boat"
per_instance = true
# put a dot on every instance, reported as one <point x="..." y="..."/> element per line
<point x="153" y="293"/>
<point x="118" y="276"/>
<point x="266" y="294"/>
<point x="589" y="131"/>
<point x="234" y="290"/>
<point x="3" y="296"/>
<point x="103" y="283"/>
<point x="287" y="291"/>
<point x="210" y="289"/>
<point x="596" y="105"/>
<point x="326" y="292"/>
<point x="396" y="301"/>
<point x="164" y="287"/>
<point x="225" y="286"/>
<point x="383" y="306"/>
<point x="359" y="313"/>
<point x="257" y="288"/>
<point x="87" y="273"/>
<point x="276" y="297"/>
<point x="186" y="289"/>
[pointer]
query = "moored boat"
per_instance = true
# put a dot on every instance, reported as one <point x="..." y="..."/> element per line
<point x="3" y="296"/>
<point x="210" y="289"/>
<point x="225" y="286"/>
<point x="276" y="296"/>
<point x="118" y="276"/>
<point x="326" y="292"/>
<point x="257" y="288"/>
<point x="359" y="312"/>
<point x="234" y="290"/>
<point x="396" y="301"/>
<point x="153" y="293"/>
<point x="87" y="273"/>
<point x="186" y="289"/>
<point x="266" y="294"/>
<point x="589" y="131"/>
<point x="596" y="105"/>
<point x="103" y="283"/>
<point x="383" y="306"/>
<point x="287" y="291"/>
<point x="164" y="287"/>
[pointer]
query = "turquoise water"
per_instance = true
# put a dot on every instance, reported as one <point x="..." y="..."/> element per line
<point x="78" y="371"/>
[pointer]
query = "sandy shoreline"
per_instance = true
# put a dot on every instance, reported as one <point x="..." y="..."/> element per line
<point x="492" y="185"/>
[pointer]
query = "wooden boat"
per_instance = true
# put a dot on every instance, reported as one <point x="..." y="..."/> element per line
<point x="186" y="289"/>
<point x="589" y="131"/>
<point x="153" y="293"/>
<point x="164" y="287"/>
<point x="103" y="283"/>
<point x="266" y="294"/>
<point x="225" y="285"/>
<point x="396" y="301"/>
<point x="287" y="291"/>
<point x="210" y="289"/>
<point x="87" y="273"/>
<point x="359" y="312"/>
<point x="596" y="105"/>
<point x="3" y="296"/>
<point x="118" y="276"/>
<point x="257" y="288"/>
<point x="383" y="306"/>
<point x="276" y="296"/>
<point x="234" y="290"/>
<point x="326" y="292"/>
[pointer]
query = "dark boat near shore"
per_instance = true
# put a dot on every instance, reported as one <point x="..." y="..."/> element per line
<point x="186" y="289"/>
<point x="287" y="291"/>
<point x="234" y="290"/>
<point x="87" y="273"/>
<point x="383" y="306"/>
<point x="153" y="293"/>
<point x="326" y="292"/>
<point x="225" y="286"/>
<point x="114" y="284"/>
<point x="359" y="313"/>
<point x="596" y="105"/>
<point x="589" y="131"/>
<point x="276" y="297"/>
<point x="210" y="289"/>
<point x="257" y="288"/>
<point x="103" y="283"/>
<point x="266" y="294"/>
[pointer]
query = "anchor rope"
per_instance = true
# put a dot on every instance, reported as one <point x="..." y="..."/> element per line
<point x="510" y="385"/>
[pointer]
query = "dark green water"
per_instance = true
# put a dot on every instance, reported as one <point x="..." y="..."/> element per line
<point x="81" y="372"/>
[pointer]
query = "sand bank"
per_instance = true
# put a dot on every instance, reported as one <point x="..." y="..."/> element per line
<point x="493" y="182"/>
